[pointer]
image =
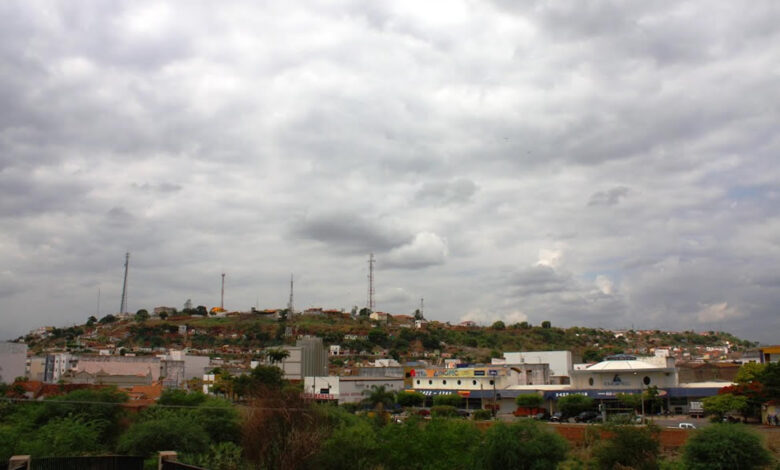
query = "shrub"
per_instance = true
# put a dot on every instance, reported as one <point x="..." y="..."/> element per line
<point x="630" y="446"/>
<point x="521" y="445"/>
<point x="572" y="405"/>
<point x="529" y="401"/>
<point x="444" y="411"/>
<point x="725" y="446"/>
<point x="452" y="399"/>
<point x="410" y="398"/>
<point x="482" y="415"/>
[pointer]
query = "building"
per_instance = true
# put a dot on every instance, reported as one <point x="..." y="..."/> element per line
<point x="349" y="389"/>
<point x="308" y="358"/>
<point x="13" y="361"/>
<point x="498" y="383"/>
<point x="560" y="363"/>
<point x="691" y="372"/>
<point x="625" y="374"/>
<point x="770" y="354"/>
<point x="56" y="366"/>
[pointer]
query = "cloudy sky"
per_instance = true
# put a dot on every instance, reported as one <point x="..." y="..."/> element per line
<point x="604" y="164"/>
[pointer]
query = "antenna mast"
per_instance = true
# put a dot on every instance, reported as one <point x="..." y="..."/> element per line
<point x="371" y="291"/>
<point x="123" y="305"/>
<point x="421" y="307"/>
<point x="222" y="296"/>
<point x="290" y="309"/>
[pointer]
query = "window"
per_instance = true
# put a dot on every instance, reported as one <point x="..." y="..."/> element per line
<point x="646" y="380"/>
<point x="473" y="382"/>
<point x="492" y="382"/>
<point x="444" y="382"/>
<point x="458" y="382"/>
<point x="590" y="381"/>
<point x="418" y="382"/>
<point x="430" y="382"/>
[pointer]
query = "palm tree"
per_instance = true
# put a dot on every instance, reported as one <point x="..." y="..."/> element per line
<point x="276" y="355"/>
<point x="378" y="397"/>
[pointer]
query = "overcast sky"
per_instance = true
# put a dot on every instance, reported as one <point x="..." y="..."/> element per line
<point x="604" y="164"/>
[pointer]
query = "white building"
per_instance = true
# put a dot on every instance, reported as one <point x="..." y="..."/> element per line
<point x="560" y="362"/>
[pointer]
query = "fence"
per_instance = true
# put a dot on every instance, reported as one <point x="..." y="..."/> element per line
<point x="174" y="465"/>
<point x="107" y="462"/>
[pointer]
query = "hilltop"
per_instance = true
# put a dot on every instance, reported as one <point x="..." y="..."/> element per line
<point x="242" y="334"/>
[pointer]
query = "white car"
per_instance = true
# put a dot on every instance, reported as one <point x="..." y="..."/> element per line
<point x="686" y="426"/>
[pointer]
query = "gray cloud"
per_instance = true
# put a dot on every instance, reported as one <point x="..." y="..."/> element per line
<point x="608" y="198"/>
<point x="460" y="144"/>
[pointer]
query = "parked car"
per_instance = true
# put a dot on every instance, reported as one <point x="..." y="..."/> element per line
<point x="543" y="416"/>
<point x="686" y="426"/>
<point x="557" y="417"/>
<point x="587" y="417"/>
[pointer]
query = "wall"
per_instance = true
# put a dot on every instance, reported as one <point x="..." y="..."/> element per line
<point x="13" y="361"/>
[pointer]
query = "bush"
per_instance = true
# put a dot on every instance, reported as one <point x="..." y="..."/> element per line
<point x="629" y="446"/>
<point x="520" y="445"/>
<point x="572" y="405"/>
<point x="179" y="433"/>
<point x="452" y="399"/>
<point x="482" y="415"/>
<point x="529" y="401"/>
<point x="410" y="398"/>
<point x="725" y="446"/>
<point x="444" y="411"/>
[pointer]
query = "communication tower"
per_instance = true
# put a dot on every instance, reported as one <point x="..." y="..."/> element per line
<point x="371" y="291"/>
<point x="123" y="304"/>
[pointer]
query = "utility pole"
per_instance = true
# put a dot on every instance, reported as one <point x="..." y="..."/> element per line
<point x="422" y="314"/>
<point x="123" y="304"/>
<point x="371" y="292"/>
<point x="222" y="296"/>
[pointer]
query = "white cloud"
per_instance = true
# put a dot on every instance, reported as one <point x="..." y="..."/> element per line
<point x="426" y="249"/>
<point x="718" y="312"/>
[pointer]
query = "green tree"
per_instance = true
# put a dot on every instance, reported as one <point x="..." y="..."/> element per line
<point x="378" y="337"/>
<point x="629" y="447"/>
<point x="91" y="320"/>
<point x="572" y="405"/>
<point x="350" y="446"/>
<point x="498" y="325"/>
<point x="267" y="376"/>
<point x="141" y="315"/>
<point x="720" y="405"/>
<point x="409" y="398"/>
<point x="630" y="400"/>
<point x="67" y="436"/>
<point x="418" y="315"/>
<point x="529" y="401"/>
<point x="364" y="312"/>
<point x="546" y="324"/>
<point x="749" y="372"/>
<point x="107" y="319"/>
<point x="521" y="445"/>
<point x="276" y="355"/>
<point x="725" y="447"/>
<point x="451" y="399"/>
<point x="163" y="315"/>
<point x="173" y="432"/>
<point x="770" y="380"/>
<point x="202" y="311"/>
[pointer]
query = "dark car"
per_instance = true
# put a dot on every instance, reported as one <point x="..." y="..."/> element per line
<point x="543" y="416"/>
<point x="587" y="417"/>
<point x="557" y="417"/>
